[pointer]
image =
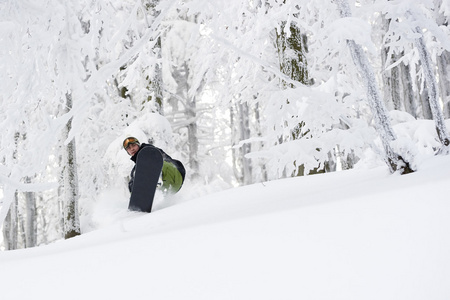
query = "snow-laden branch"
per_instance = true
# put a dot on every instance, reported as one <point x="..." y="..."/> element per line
<point x="263" y="63"/>
<point x="99" y="78"/>
<point x="27" y="187"/>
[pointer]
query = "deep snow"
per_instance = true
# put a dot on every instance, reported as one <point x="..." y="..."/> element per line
<point x="359" y="234"/>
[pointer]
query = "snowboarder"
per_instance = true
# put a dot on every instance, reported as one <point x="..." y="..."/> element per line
<point x="154" y="164"/>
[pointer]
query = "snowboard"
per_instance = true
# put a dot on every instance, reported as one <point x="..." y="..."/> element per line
<point x="149" y="163"/>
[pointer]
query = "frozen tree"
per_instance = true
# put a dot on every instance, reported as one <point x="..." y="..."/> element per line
<point x="292" y="51"/>
<point x="382" y="122"/>
<point x="431" y="83"/>
<point x="412" y="25"/>
<point x="179" y="50"/>
<point x="433" y="92"/>
<point x="140" y="79"/>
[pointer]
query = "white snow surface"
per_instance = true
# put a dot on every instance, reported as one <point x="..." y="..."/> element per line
<point x="358" y="234"/>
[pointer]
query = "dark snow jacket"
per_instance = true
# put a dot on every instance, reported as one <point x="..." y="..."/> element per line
<point x="171" y="181"/>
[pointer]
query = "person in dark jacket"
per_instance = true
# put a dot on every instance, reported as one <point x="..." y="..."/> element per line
<point x="172" y="173"/>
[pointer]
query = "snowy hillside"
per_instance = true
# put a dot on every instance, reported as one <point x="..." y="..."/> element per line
<point x="360" y="234"/>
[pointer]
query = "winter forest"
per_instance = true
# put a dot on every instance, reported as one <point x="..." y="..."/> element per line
<point x="240" y="91"/>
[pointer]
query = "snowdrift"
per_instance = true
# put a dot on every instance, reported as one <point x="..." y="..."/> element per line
<point x="360" y="234"/>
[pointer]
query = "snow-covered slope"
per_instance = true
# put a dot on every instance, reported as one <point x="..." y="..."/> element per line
<point x="360" y="234"/>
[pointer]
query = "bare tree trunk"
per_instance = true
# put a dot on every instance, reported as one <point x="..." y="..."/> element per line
<point x="425" y="104"/>
<point x="21" y="237"/>
<point x="408" y="94"/>
<point x="258" y="122"/>
<point x="10" y="227"/>
<point x="31" y="216"/>
<point x="71" y="217"/>
<point x="7" y="231"/>
<point x="244" y="126"/>
<point x="395" y="86"/>
<point x="11" y="221"/>
<point x="192" y="136"/>
<point x="391" y="80"/>
<point x="386" y="75"/>
<point x="240" y="127"/>
<point x="391" y="77"/>
<point x="443" y="62"/>
<point x="191" y="113"/>
<point x="234" y="150"/>
<point x="181" y="75"/>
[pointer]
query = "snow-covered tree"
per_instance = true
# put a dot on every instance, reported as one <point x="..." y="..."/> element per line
<point x="411" y="24"/>
<point x="377" y="106"/>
